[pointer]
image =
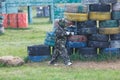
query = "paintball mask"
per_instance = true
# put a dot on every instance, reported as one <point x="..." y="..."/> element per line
<point x="62" y="23"/>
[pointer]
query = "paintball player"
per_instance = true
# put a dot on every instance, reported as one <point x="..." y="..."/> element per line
<point x="60" y="42"/>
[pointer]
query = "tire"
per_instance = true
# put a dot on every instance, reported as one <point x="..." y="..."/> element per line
<point x="98" y="37"/>
<point x="115" y="37"/>
<point x="38" y="50"/>
<point x="116" y="6"/>
<point x="71" y="44"/>
<point x="109" y="24"/>
<point x="90" y="1"/>
<point x="116" y="15"/>
<point x="76" y="8"/>
<point x="85" y="31"/>
<point x="107" y="1"/>
<point x="88" y="52"/>
<point x="76" y="16"/>
<point x="78" y="38"/>
<point x="99" y="7"/>
<point x="110" y="51"/>
<point x="51" y="34"/>
<point x="115" y="43"/>
<point x="86" y="24"/>
<point x="49" y="42"/>
<point x="109" y="30"/>
<point x="100" y="16"/>
<point x="98" y="44"/>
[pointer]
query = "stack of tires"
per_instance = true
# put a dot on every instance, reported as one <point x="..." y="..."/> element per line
<point x="77" y="13"/>
<point x="37" y="53"/>
<point x="99" y="21"/>
<point x="99" y="12"/>
<point x="111" y="28"/>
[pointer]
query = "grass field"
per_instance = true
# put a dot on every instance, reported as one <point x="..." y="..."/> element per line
<point x="15" y="41"/>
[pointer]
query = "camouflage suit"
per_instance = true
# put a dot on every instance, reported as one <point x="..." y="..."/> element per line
<point x="60" y="42"/>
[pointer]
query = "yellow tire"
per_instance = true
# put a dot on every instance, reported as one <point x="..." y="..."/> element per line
<point x="100" y="15"/>
<point x="76" y="16"/>
<point x="109" y="30"/>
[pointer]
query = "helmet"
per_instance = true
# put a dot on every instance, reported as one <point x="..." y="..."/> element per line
<point x="62" y="23"/>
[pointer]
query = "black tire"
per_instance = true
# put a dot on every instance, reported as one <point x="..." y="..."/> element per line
<point x="115" y="37"/>
<point x="107" y="1"/>
<point x="88" y="52"/>
<point x="85" y="31"/>
<point x="86" y="24"/>
<point x="38" y="50"/>
<point x="99" y="7"/>
<point x="98" y="37"/>
<point x="98" y="44"/>
<point x="108" y="24"/>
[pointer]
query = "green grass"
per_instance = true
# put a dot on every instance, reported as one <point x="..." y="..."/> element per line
<point x="41" y="71"/>
<point x="15" y="41"/>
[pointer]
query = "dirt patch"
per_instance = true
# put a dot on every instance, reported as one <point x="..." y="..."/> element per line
<point x="86" y="64"/>
<point x="97" y="65"/>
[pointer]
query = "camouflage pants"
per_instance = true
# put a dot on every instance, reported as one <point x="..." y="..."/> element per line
<point x="61" y="51"/>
